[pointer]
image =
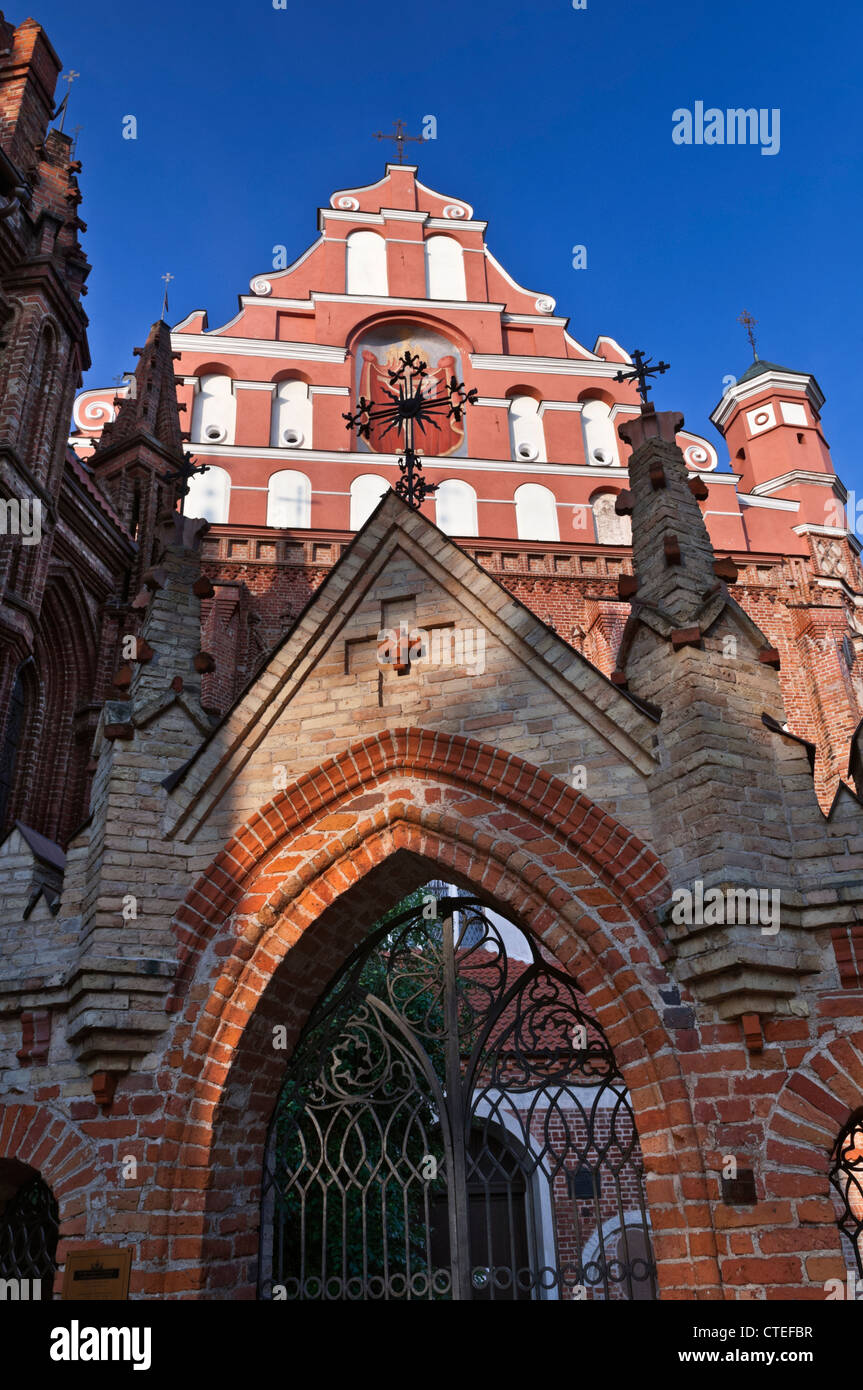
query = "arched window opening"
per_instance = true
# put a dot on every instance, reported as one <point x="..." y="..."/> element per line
<point x="399" y="1167"/>
<point x="366" y="264"/>
<point x="366" y="493"/>
<point x="209" y="496"/>
<point x="214" y="412"/>
<point x="445" y="277"/>
<point x="289" y="500"/>
<point x="846" y="1177"/>
<point x="611" y="529"/>
<point x="455" y="508"/>
<point x="527" y="436"/>
<point x="291" y="425"/>
<point x="536" y="513"/>
<point x="600" y="441"/>
<point x="29" y="1227"/>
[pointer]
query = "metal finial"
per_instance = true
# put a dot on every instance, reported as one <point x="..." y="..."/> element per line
<point x="412" y="405"/>
<point x="749" y="324"/>
<point x="640" y="373"/>
<point x="400" y="138"/>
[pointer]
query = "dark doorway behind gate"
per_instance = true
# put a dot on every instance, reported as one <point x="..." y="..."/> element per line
<point x="453" y="1125"/>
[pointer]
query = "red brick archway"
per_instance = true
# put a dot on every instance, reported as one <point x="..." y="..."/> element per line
<point x="280" y="908"/>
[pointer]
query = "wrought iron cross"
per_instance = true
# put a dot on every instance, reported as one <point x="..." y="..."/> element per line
<point x="413" y="406"/>
<point x="749" y="324"/>
<point x="400" y="138"/>
<point x="640" y="374"/>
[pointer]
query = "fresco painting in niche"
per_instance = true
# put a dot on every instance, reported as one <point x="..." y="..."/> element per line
<point x="377" y="354"/>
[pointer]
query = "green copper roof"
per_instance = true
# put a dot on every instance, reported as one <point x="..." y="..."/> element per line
<point x="759" y="368"/>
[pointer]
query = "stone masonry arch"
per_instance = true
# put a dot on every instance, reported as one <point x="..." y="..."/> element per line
<point x="279" y="909"/>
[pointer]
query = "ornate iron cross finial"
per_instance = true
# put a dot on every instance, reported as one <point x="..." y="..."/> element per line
<point x="641" y="371"/>
<point x="749" y="324"/>
<point x="412" y="406"/>
<point x="167" y="278"/>
<point x="61" y="109"/>
<point x="400" y="138"/>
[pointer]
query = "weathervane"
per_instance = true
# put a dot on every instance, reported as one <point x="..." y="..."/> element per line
<point x="413" y="404"/>
<point x="400" y="138"/>
<point x="167" y="278"/>
<point x="61" y="109"/>
<point x="749" y="324"/>
<point x="641" y="372"/>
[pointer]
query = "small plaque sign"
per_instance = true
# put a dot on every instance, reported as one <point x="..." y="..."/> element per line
<point x="97" y="1275"/>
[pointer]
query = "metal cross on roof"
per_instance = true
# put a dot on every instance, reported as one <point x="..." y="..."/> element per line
<point x="61" y="109"/>
<point x="749" y="324"/>
<point x="167" y="279"/>
<point x="412" y="406"/>
<point x="640" y="373"/>
<point x="400" y="138"/>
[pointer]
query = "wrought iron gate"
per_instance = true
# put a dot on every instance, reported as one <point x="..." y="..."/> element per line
<point x="29" y="1227"/>
<point x="453" y="1126"/>
<point x="846" y="1176"/>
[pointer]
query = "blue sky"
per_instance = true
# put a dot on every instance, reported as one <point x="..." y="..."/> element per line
<point x="554" y="123"/>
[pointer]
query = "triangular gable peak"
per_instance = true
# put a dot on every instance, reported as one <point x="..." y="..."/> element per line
<point x="530" y="693"/>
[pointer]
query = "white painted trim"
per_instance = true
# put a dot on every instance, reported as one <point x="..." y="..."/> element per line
<point x="194" y="314"/>
<point x="437" y="224"/>
<point x="329" y="390"/>
<point x="272" y="274"/>
<point x="502" y="402"/>
<point x="367" y="187"/>
<point x="531" y="294"/>
<point x="387" y="300"/>
<point x="404" y="215"/>
<point x="799" y="476"/>
<point x="533" y="319"/>
<point x="202" y="449"/>
<point x="808" y="528"/>
<point x="728" y="479"/>
<point x="433" y="193"/>
<point x="256" y="347"/>
<point x="588" y="355"/>
<point x="575" y="406"/>
<point x="604" y="338"/>
<point x="349" y="215"/>
<point x="301" y="306"/>
<point x="541" y="366"/>
<point x="255" y="386"/>
<point x="771" y="503"/>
